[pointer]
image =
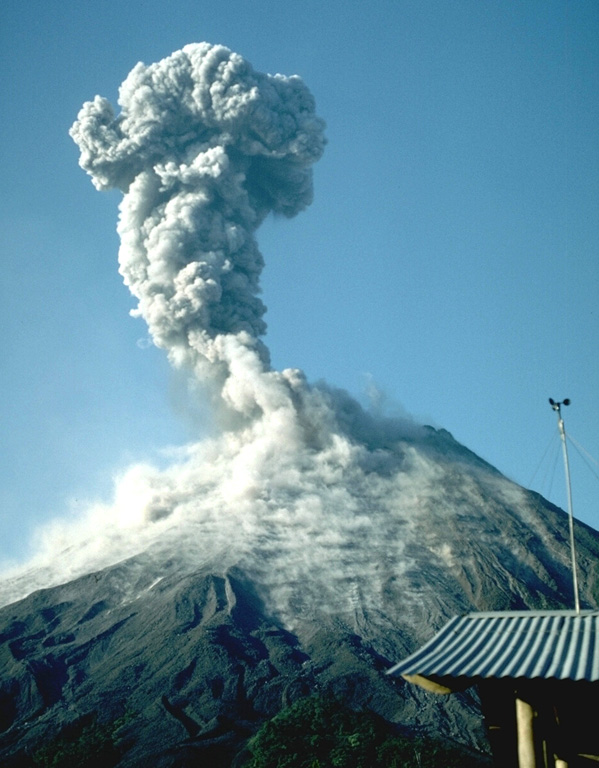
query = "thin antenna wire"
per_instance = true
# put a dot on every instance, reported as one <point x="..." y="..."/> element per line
<point x="585" y="455"/>
<point x="562" y="431"/>
<point x="549" y="476"/>
<point x="543" y="457"/>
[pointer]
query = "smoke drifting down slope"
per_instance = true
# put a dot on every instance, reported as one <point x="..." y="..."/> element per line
<point x="327" y="508"/>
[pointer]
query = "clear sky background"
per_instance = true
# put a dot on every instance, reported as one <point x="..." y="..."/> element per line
<point x="450" y="256"/>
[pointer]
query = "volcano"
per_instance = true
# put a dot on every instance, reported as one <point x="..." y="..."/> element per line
<point x="189" y="660"/>
<point x="306" y="545"/>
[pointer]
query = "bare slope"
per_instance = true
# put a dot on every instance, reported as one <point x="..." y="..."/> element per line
<point x="199" y="657"/>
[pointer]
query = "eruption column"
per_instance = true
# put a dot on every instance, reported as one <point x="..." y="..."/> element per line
<point x="203" y="149"/>
<point x="333" y="513"/>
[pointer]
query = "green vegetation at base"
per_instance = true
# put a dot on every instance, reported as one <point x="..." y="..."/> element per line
<point x="321" y="732"/>
<point x="92" y="746"/>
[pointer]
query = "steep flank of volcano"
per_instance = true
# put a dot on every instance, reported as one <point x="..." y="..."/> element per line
<point x="188" y="663"/>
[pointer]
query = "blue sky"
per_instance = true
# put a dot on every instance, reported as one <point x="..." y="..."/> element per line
<point x="449" y="257"/>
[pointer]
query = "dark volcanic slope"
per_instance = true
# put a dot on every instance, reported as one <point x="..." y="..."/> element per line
<point x="196" y="662"/>
<point x="193" y="660"/>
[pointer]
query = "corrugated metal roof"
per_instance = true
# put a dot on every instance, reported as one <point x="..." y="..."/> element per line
<point x="562" y="645"/>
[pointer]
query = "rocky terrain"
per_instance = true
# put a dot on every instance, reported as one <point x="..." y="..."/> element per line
<point x="184" y="665"/>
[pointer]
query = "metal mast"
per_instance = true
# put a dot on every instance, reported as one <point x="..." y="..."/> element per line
<point x="562" y="433"/>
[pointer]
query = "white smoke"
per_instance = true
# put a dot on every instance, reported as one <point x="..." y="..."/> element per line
<point x="204" y="148"/>
<point x="321" y="503"/>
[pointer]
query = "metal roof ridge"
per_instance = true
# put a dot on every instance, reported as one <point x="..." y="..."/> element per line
<point x="536" y="613"/>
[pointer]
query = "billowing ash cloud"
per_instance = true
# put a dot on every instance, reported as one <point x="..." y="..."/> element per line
<point x="328" y="509"/>
<point x="203" y="149"/>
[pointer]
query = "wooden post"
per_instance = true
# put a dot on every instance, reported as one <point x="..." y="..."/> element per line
<point x="525" y="730"/>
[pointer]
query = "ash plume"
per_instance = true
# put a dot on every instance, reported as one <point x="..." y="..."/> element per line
<point x="327" y="508"/>
<point x="204" y="148"/>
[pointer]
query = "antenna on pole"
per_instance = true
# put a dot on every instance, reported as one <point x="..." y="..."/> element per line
<point x="562" y="433"/>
